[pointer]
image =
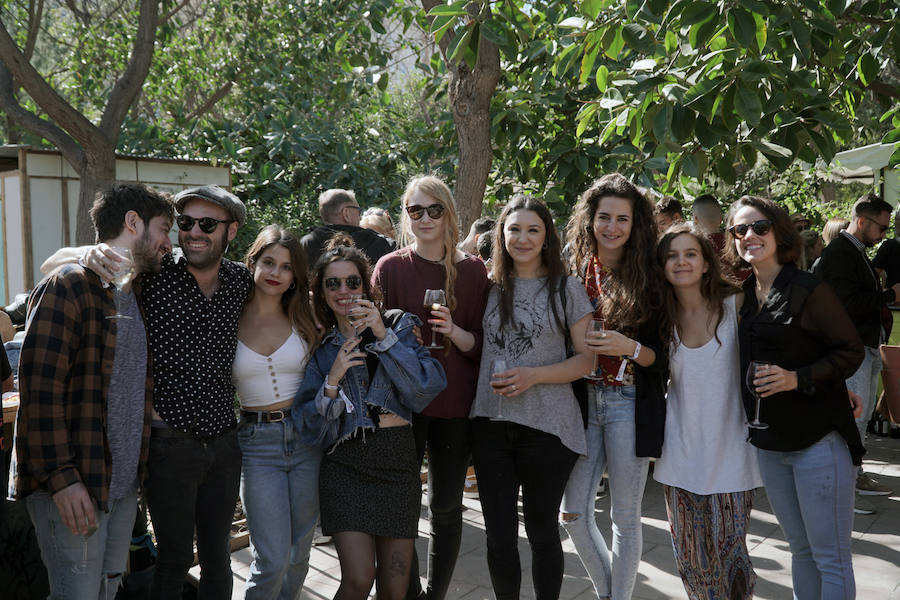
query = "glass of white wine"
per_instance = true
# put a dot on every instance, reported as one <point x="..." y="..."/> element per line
<point x="356" y="312"/>
<point x="121" y="279"/>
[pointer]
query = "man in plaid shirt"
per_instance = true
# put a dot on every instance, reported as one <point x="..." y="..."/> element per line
<point x="83" y="426"/>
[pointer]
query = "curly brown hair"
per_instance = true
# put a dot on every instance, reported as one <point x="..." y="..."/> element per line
<point x="631" y="294"/>
<point x="787" y="240"/>
<point x="340" y="248"/>
<point x="715" y="285"/>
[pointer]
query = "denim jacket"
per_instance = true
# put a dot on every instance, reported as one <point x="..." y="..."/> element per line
<point x="406" y="379"/>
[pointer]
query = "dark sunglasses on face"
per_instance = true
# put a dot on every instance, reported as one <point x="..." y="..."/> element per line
<point x="207" y="224"/>
<point x="354" y="282"/>
<point x="415" y="212"/>
<point x="761" y="227"/>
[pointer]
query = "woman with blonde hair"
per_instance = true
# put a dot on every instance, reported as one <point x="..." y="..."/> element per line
<point x="429" y="259"/>
<point x="378" y="220"/>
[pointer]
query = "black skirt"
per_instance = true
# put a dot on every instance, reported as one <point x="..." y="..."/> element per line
<point x="371" y="484"/>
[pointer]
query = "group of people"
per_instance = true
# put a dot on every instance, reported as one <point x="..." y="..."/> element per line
<point x="348" y="370"/>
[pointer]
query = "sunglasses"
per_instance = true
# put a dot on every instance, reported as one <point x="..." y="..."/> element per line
<point x="761" y="227"/>
<point x="415" y="212"/>
<point x="354" y="282"/>
<point x="207" y="224"/>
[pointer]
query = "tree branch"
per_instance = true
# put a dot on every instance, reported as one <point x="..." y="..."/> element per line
<point x="59" y="111"/>
<point x="129" y="84"/>
<point x="28" y="120"/>
<point x="211" y="101"/>
<point x="175" y="10"/>
<point x="35" y="13"/>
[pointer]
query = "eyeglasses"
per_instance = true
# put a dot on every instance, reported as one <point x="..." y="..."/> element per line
<point x="207" y="224"/>
<point x="761" y="227"/>
<point x="881" y="228"/>
<point x="353" y="282"/>
<point x="356" y="206"/>
<point x="435" y="211"/>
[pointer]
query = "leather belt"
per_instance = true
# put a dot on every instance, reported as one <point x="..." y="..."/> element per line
<point x="272" y="416"/>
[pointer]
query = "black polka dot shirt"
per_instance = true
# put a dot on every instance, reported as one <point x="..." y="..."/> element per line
<point x="193" y="340"/>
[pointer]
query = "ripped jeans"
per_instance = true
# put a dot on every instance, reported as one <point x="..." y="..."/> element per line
<point x="610" y="447"/>
<point x="83" y="568"/>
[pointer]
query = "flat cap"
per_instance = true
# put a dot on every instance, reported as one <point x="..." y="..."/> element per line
<point x="216" y="195"/>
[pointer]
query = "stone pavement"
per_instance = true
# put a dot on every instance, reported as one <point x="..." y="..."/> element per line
<point x="876" y="549"/>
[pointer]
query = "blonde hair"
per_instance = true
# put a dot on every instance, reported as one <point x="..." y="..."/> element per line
<point x="378" y="219"/>
<point x="435" y="188"/>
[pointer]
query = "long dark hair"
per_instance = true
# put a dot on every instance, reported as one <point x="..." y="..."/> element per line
<point x="295" y="300"/>
<point x="787" y="240"/>
<point x="502" y="262"/>
<point x="631" y="295"/>
<point x="340" y="248"/>
<point x="714" y="285"/>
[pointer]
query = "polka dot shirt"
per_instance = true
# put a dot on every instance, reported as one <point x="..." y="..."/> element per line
<point x="193" y="340"/>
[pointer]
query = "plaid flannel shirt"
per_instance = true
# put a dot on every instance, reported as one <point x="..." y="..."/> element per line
<point x="64" y="372"/>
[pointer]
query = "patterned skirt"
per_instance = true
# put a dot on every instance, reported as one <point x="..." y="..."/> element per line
<point x="371" y="484"/>
<point x="709" y="536"/>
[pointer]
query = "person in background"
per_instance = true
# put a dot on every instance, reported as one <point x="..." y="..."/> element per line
<point x="432" y="260"/>
<point x="832" y="228"/>
<point x="887" y="259"/>
<point x="708" y="468"/>
<point x="613" y="238"/>
<point x="801" y="223"/>
<point x="280" y="473"/>
<point x="479" y="227"/>
<point x="361" y="387"/>
<point x="707" y="215"/>
<point x="340" y="212"/>
<point x="83" y="425"/>
<point x="810" y="250"/>
<point x="667" y="212"/>
<point x="846" y="267"/>
<point x="378" y="220"/>
<point x="527" y="430"/>
<point x="486" y="247"/>
<point x="794" y="325"/>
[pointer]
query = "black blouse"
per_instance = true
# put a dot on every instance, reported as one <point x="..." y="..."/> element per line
<point x="802" y="327"/>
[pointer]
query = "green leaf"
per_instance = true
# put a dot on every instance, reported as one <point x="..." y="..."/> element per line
<point x="459" y="44"/>
<point x="457" y="9"/>
<point x="747" y="105"/>
<point x="602" y="78"/>
<point x="494" y="31"/>
<point x="867" y="68"/>
<point x="742" y="26"/>
<point x="661" y="123"/>
<point x="771" y="150"/>
<point x="698" y="12"/>
<point x="891" y="136"/>
<point x="441" y="24"/>
<point x="725" y="169"/>
<point x="801" y="35"/>
<point x="646" y="64"/>
<point x="613" y="42"/>
<point x="573" y="23"/>
<point x="587" y="63"/>
<point x="585" y="117"/>
<point x="761" y="34"/>
<point x="671" y="42"/>
<point x="895" y="158"/>
<point x="638" y="37"/>
<point x="701" y="89"/>
<point x="591" y="8"/>
<point x="755" y="6"/>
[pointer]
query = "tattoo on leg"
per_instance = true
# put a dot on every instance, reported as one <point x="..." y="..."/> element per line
<point x="398" y="565"/>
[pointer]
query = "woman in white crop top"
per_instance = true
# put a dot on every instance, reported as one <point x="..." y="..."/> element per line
<point x="708" y="468"/>
<point x="280" y="474"/>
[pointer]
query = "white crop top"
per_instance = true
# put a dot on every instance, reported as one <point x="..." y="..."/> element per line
<point x="262" y="380"/>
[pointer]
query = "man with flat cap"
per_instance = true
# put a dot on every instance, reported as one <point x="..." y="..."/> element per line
<point x="191" y="309"/>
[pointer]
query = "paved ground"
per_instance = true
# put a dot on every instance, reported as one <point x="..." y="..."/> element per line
<point x="876" y="549"/>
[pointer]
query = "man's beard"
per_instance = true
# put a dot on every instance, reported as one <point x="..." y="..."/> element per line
<point x="146" y="259"/>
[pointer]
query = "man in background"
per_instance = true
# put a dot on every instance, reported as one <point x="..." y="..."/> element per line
<point x="667" y="212"/>
<point x="340" y="212"/>
<point x="481" y="226"/>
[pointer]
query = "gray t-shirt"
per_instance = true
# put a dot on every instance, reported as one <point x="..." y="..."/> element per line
<point x="531" y="339"/>
<point x="125" y="399"/>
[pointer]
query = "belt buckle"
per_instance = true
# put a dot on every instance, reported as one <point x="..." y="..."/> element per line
<point x="273" y="419"/>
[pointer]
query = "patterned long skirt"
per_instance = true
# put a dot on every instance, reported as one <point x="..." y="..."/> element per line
<point x="709" y="536"/>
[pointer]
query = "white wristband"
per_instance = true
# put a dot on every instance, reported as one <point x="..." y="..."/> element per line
<point x="329" y="386"/>
<point x="637" y="350"/>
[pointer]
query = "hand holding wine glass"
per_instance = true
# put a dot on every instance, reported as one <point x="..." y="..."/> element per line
<point x="355" y="313"/>
<point x="433" y="300"/>
<point x="754" y="371"/>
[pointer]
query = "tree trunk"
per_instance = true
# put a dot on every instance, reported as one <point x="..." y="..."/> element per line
<point x="98" y="173"/>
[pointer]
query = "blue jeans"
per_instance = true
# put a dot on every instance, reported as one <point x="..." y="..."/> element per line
<point x="83" y="568"/>
<point x="280" y="494"/>
<point x="610" y="447"/>
<point x="192" y="484"/>
<point x="865" y="383"/>
<point x="811" y="493"/>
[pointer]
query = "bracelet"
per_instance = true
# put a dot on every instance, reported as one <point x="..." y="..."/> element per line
<point x="329" y="386"/>
<point x="637" y="350"/>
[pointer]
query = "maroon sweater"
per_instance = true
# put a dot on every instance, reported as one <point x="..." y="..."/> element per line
<point x="403" y="276"/>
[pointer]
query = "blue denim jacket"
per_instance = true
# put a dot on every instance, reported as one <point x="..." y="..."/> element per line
<point x="406" y="380"/>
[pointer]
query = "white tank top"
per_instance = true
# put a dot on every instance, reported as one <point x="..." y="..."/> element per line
<point x="262" y="380"/>
<point x="705" y="450"/>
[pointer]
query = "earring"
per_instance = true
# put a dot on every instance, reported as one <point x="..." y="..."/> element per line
<point x="545" y="246"/>
<point x="293" y="285"/>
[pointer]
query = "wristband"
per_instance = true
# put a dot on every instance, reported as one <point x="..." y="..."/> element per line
<point x="331" y="387"/>
<point x="637" y="350"/>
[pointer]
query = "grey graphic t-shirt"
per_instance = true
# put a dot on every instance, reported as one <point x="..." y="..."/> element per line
<point x="532" y="339"/>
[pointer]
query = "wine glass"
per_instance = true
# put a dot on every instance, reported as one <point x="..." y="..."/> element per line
<point x="121" y="279"/>
<point x="434" y="299"/>
<point x="596" y="374"/>
<point x="498" y="366"/>
<point x="751" y="375"/>
<point x="355" y="313"/>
